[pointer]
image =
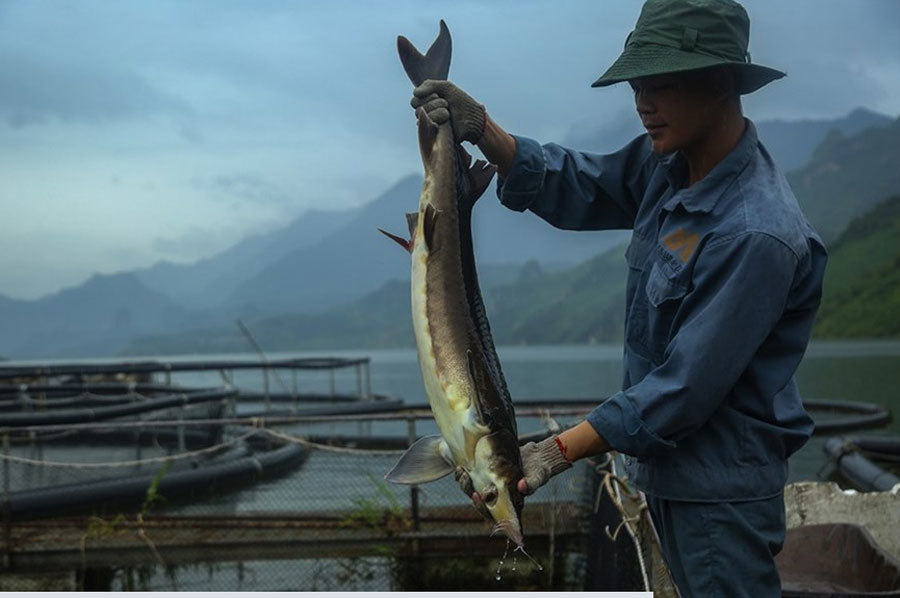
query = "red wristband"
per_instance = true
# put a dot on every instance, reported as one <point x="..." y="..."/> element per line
<point x="562" y="448"/>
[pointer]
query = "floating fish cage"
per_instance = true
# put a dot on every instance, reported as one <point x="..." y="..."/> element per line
<point x="254" y="476"/>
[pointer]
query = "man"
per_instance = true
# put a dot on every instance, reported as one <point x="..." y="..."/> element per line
<point x="725" y="277"/>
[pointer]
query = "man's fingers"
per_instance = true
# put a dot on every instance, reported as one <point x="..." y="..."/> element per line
<point x="416" y="101"/>
<point x="439" y="115"/>
<point x="432" y="103"/>
<point x="429" y="87"/>
<point x="522" y="487"/>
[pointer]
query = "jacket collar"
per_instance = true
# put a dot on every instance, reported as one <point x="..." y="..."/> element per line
<point x="703" y="195"/>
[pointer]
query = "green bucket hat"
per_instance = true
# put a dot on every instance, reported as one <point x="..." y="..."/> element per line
<point x="672" y="36"/>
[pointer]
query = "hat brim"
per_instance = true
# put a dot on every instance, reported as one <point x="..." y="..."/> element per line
<point x="647" y="60"/>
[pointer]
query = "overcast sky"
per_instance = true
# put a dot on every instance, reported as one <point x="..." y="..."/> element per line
<point x="135" y="131"/>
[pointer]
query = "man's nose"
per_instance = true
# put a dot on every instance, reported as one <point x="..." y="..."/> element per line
<point x="642" y="102"/>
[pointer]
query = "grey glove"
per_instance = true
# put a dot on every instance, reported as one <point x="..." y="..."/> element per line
<point x="443" y="101"/>
<point x="541" y="461"/>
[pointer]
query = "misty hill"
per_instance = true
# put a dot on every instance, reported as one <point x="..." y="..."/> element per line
<point x="583" y="304"/>
<point x="206" y="282"/>
<point x="848" y="176"/>
<point x="791" y="142"/>
<point x="98" y="317"/>
<point x="381" y="319"/>
<point x="862" y="281"/>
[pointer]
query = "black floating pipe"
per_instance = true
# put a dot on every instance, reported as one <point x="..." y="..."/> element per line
<point x="70" y="389"/>
<point x="149" y="367"/>
<point x="856" y="467"/>
<point x="85" y="415"/>
<point x="97" y="494"/>
<point x="386" y="405"/>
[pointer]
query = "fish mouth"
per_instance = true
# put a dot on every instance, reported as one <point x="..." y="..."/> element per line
<point x="511" y="529"/>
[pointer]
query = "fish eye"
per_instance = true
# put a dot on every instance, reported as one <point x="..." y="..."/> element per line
<point x="490" y="497"/>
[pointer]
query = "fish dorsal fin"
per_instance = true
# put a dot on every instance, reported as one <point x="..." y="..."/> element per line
<point x="435" y="64"/>
<point x="465" y="158"/>
<point x="480" y="175"/>
<point x="428" y="459"/>
<point x="431" y="216"/>
<point x="473" y="378"/>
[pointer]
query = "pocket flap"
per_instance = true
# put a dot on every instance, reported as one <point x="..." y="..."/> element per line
<point x="661" y="288"/>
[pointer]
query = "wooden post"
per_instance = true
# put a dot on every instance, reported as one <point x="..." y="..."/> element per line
<point x="266" y="385"/>
<point x="413" y="490"/>
<point x="7" y="514"/>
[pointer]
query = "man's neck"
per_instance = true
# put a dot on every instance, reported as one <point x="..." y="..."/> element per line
<point x="712" y="148"/>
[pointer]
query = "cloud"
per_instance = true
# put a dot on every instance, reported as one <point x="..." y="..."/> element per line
<point x="247" y="188"/>
<point x="36" y="89"/>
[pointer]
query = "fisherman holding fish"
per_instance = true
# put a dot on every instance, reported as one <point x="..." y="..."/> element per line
<point x="725" y="277"/>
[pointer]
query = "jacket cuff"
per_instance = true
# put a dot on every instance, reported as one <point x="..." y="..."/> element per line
<point x="617" y="421"/>
<point x="526" y="177"/>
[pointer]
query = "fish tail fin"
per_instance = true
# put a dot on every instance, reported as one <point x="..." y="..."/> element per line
<point x="435" y="64"/>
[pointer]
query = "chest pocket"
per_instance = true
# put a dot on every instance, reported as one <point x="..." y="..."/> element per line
<point x="665" y="291"/>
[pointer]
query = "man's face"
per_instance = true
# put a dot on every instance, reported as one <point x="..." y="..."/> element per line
<point x="678" y="110"/>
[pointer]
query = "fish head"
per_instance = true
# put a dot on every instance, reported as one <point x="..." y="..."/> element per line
<point x="496" y="472"/>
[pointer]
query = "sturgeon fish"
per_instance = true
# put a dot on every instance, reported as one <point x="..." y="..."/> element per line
<point x="460" y="368"/>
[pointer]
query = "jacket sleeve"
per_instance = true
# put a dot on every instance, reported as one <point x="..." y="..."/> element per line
<point x="740" y="290"/>
<point x="577" y="190"/>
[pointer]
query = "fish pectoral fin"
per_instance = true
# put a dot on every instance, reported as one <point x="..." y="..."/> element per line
<point x="431" y="216"/>
<point x="407" y="245"/>
<point x="425" y="461"/>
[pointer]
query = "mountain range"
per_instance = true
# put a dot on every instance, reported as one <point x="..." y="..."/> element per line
<point x="329" y="280"/>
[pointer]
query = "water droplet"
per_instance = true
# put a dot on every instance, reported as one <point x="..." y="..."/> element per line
<point x="522" y="549"/>
<point x="502" y="560"/>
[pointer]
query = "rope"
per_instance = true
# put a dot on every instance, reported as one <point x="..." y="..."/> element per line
<point x="136" y="462"/>
<point x="330" y="448"/>
<point x="607" y="483"/>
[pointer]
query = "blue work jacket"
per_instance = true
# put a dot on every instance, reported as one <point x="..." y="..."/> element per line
<point x="724" y="280"/>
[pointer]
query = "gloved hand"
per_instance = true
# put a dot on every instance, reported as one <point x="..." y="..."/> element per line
<point x="540" y="462"/>
<point x="443" y="101"/>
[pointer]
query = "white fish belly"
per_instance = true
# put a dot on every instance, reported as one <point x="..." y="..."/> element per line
<point x="449" y="399"/>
